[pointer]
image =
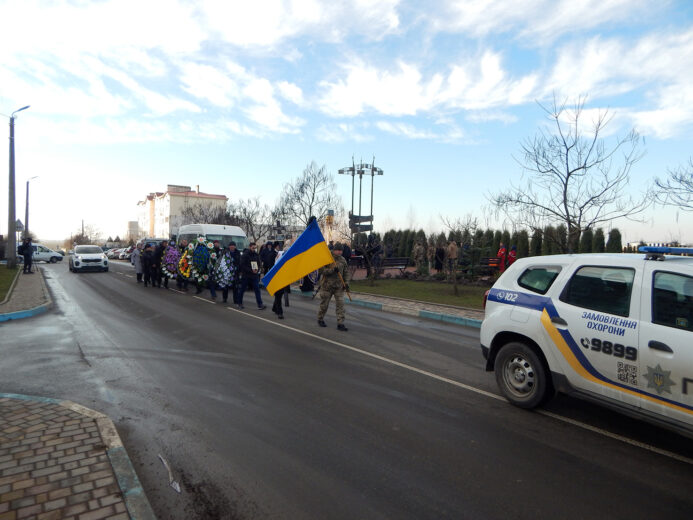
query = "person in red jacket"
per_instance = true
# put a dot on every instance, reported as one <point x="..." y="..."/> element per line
<point x="501" y="254"/>
<point x="512" y="255"/>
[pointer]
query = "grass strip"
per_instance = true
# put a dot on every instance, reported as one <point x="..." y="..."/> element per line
<point x="426" y="291"/>
<point x="6" y="279"/>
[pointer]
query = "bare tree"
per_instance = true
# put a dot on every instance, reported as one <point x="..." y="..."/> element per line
<point x="677" y="188"/>
<point x="254" y="218"/>
<point x="311" y="194"/>
<point x="574" y="178"/>
<point x="201" y="213"/>
<point x="87" y="235"/>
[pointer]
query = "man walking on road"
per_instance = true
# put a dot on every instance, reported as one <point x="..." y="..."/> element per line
<point x="331" y="284"/>
<point x="250" y="271"/>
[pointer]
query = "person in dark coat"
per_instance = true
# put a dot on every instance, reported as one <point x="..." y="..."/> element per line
<point x="235" y="286"/>
<point x="250" y="275"/>
<point x="26" y="249"/>
<point x="148" y="265"/>
<point x="158" y="256"/>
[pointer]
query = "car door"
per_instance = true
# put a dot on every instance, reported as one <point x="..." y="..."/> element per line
<point x="666" y="340"/>
<point x="42" y="253"/>
<point x="595" y="317"/>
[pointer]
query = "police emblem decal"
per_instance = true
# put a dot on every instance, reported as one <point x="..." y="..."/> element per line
<point x="659" y="379"/>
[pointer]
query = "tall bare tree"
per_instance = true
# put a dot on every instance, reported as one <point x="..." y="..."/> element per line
<point x="573" y="177"/>
<point x="677" y="188"/>
<point x="311" y="194"/>
<point x="200" y="213"/>
<point x="255" y="218"/>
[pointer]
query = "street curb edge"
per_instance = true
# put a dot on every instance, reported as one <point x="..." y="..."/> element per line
<point x="448" y="318"/>
<point x="136" y="501"/>
<point x="28" y="313"/>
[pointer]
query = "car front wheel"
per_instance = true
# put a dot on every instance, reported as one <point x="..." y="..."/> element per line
<point x="521" y="375"/>
<point x="53" y="259"/>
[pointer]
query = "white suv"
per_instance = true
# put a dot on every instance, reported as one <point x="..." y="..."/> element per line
<point x="615" y="328"/>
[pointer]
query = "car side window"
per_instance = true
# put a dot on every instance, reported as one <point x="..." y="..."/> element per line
<point x="672" y="300"/>
<point x="538" y="279"/>
<point x="600" y="288"/>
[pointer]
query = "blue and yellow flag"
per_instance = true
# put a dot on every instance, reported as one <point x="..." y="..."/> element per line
<point x="307" y="254"/>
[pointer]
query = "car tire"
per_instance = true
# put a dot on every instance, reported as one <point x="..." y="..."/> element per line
<point x="521" y="375"/>
<point x="53" y="260"/>
<point x="105" y="270"/>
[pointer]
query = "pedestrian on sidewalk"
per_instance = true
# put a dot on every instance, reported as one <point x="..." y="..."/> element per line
<point x="26" y="249"/>
<point x="332" y="284"/>
<point x="250" y="273"/>
<point x="136" y="260"/>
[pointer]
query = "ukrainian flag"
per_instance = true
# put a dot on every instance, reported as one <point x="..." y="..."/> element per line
<point x="307" y="254"/>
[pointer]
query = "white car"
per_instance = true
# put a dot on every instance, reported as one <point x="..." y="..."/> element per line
<point x="88" y="258"/>
<point x="44" y="254"/>
<point x="612" y="328"/>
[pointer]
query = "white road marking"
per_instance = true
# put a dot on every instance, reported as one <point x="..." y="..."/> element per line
<point x="176" y="290"/>
<point x="205" y="300"/>
<point x="129" y="276"/>
<point x="573" y="422"/>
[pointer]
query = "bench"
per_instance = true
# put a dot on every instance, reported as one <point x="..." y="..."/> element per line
<point x="492" y="262"/>
<point x="400" y="263"/>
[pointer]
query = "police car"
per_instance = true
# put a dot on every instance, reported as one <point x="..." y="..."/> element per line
<point x="615" y="328"/>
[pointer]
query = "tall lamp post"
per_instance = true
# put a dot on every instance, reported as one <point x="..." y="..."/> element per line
<point x="11" y="223"/>
<point x="26" y="208"/>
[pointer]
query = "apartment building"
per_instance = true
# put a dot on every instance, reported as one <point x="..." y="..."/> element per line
<point x="160" y="214"/>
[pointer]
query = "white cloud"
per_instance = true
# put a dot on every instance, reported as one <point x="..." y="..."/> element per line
<point x="480" y="83"/>
<point x="341" y="132"/>
<point x="536" y="22"/>
<point x="210" y="83"/>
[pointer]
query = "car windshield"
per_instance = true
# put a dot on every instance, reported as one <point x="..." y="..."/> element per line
<point x="87" y="250"/>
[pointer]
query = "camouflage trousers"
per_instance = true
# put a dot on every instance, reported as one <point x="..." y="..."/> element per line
<point x="325" y="296"/>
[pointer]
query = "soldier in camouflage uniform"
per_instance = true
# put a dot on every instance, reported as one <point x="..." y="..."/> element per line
<point x="331" y="284"/>
<point x="419" y="255"/>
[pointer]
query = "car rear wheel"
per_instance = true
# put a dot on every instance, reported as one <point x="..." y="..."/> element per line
<point x="521" y="375"/>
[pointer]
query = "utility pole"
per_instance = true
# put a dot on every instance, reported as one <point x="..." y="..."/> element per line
<point x="11" y="216"/>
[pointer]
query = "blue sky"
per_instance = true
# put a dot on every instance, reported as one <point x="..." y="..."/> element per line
<point x="239" y="97"/>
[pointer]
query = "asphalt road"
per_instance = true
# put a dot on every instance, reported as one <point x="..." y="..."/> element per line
<point x="261" y="418"/>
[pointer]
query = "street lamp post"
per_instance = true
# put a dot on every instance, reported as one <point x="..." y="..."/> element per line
<point x="11" y="223"/>
<point x="26" y="208"/>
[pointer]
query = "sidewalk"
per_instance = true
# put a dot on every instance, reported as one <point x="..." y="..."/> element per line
<point x="28" y="297"/>
<point x="59" y="460"/>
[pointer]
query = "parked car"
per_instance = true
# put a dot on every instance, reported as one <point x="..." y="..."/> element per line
<point x="88" y="258"/>
<point x="44" y="254"/>
<point x="125" y="253"/>
<point x="616" y="329"/>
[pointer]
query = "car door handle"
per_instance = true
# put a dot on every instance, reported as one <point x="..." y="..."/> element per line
<point x="658" y="345"/>
<point x="558" y="320"/>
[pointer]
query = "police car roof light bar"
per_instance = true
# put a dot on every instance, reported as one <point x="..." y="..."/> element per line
<point x="658" y="252"/>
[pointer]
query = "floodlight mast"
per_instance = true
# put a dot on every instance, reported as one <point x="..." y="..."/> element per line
<point x="11" y="253"/>
<point x="360" y="169"/>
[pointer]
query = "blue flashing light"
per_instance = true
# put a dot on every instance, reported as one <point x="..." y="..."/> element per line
<point x="666" y="250"/>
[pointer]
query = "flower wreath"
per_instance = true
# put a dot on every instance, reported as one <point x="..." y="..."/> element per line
<point x="184" y="265"/>
<point x="224" y="270"/>
<point x="202" y="255"/>
<point x="169" y="264"/>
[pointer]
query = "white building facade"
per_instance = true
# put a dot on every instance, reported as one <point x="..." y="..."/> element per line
<point x="160" y="214"/>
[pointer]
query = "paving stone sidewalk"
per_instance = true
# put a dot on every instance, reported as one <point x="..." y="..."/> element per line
<point x="58" y="460"/>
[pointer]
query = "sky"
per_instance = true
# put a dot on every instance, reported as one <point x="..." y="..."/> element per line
<point x="239" y="97"/>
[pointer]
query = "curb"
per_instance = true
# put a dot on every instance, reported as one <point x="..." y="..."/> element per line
<point x="448" y="318"/>
<point x="28" y="313"/>
<point x="135" y="500"/>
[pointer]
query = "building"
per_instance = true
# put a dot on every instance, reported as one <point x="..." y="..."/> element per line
<point x="160" y="214"/>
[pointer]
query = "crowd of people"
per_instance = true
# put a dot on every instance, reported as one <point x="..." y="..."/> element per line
<point x="209" y="266"/>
